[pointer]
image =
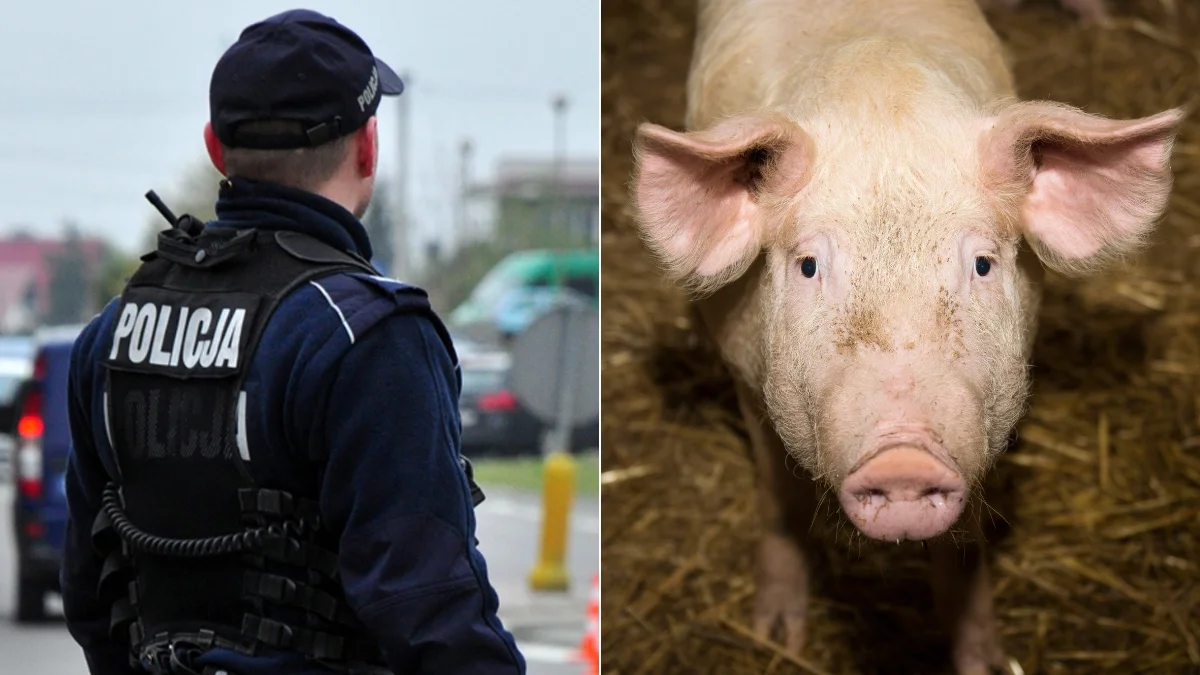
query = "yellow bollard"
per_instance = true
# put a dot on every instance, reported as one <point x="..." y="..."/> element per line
<point x="558" y="484"/>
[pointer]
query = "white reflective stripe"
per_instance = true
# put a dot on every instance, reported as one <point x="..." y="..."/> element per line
<point x="107" y="424"/>
<point x="242" y="443"/>
<point x="335" y="308"/>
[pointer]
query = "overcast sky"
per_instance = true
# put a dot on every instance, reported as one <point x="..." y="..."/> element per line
<point x="101" y="101"/>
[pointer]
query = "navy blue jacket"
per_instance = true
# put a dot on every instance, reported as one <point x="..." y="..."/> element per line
<point x="352" y="400"/>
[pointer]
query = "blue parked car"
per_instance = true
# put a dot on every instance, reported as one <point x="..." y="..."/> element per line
<point x="39" y="464"/>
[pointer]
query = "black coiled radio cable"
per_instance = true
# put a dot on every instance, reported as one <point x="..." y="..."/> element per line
<point x="226" y="544"/>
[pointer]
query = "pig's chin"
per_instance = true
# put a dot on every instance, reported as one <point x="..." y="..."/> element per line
<point x="905" y="490"/>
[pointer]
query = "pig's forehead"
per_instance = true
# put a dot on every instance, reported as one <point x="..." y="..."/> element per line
<point x="891" y="211"/>
<point x="919" y="171"/>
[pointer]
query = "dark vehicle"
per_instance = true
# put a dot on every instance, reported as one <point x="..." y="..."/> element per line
<point x="493" y="421"/>
<point x="43" y="443"/>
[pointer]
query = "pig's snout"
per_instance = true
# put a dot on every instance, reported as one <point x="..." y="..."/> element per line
<point x="903" y="493"/>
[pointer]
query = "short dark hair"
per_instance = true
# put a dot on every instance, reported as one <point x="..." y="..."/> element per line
<point x="301" y="168"/>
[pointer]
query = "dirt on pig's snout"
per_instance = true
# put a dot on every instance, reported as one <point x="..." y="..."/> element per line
<point x="860" y="327"/>
<point x="1095" y="506"/>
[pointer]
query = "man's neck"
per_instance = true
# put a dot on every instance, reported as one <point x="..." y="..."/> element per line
<point x="341" y="194"/>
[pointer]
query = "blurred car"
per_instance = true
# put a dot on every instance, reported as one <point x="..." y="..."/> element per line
<point x="521" y="307"/>
<point x="43" y="443"/>
<point x="494" y="423"/>
<point x="16" y="365"/>
<point x="517" y="288"/>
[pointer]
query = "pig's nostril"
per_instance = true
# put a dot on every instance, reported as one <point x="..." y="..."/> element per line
<point x="903" y="493"/>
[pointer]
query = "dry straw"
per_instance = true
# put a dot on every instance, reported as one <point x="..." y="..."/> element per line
<point x="1096" y="563"/>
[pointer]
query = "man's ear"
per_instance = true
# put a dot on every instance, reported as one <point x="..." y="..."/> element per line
<point x="366" y="141"/>
<point x="215" y="152"/>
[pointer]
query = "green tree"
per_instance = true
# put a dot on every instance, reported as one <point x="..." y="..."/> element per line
<point x="68" y="280"/>
<point x="195" y="194"/>
<point x="450" y="282"/>
<point x="114" y="273"/>
<point x="379" y="222"/>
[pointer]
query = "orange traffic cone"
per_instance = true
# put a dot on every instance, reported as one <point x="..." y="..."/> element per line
<point x="589" y="649"/>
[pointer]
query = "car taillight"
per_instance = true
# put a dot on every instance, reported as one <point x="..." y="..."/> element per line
<point x="29" y="453"/>
<point x="498" y="401"/>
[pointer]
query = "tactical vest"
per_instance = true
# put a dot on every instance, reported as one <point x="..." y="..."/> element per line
<point x="195" y="551"/>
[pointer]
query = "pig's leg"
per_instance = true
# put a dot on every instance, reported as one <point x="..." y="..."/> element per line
<point x="787" y="503"/>
<point x="963" y="599"/>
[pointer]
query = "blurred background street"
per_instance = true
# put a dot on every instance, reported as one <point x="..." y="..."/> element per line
<point x="548" y="626"/>
<point x="487" y="196"/>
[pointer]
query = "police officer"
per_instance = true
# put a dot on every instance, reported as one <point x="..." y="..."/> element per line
<point x="266" y="474"/>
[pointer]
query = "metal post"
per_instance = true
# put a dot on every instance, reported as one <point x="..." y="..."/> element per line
<point x="464" y="185"/>
<point x="549" y="573"/>
<point x="569" y="363"/>
<point x="400" y="235"/>
<point x="557" y="219"/>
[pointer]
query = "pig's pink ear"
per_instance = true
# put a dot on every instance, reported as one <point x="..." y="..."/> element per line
<point x="1088" y="188"/>
<point x="701" y="195"/>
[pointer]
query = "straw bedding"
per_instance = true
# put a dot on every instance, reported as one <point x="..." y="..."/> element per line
<point x="1097" y="505"/>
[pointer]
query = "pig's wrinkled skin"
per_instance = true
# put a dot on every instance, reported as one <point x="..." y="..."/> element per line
<point x="878" y="146"/>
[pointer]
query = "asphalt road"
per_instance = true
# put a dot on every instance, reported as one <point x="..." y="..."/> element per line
<point x="508" y="530"/>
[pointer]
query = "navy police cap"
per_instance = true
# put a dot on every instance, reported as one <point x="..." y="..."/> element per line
<point x="298" y="66"/>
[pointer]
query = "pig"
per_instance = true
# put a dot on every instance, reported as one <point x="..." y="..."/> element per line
<point x="861" y="210"/>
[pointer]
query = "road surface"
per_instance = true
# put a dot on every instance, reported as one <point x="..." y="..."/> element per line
<point x="508" y="531"/>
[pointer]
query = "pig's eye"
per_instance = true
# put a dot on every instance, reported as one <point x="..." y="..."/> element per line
<point x="808" y="266"/>
<point x="982" y="266"/>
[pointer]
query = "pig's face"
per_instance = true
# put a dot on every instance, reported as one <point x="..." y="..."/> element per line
<point x="897" y="311"/>
<point x="896" y="324"/>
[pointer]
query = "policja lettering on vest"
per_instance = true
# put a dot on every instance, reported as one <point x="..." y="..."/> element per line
<point x="146" y="329"/>
<point x="182" y="334"/>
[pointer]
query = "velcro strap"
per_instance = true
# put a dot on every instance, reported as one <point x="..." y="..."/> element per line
<point x="205" y="638"/>
<point x="296" y="594"/>
<point x="270" y="586"/>
<point x="290" y="551"/>
<point x="104" y="536"/>
<point x="270" y="502"/>
<point x="114" y="567"/>
<point x="277" y="503"/>
<point x="271" y="633"/>
<point x="311" y="643"/>
<point x="122" y="613"/>
<point x="321" y="645"/>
